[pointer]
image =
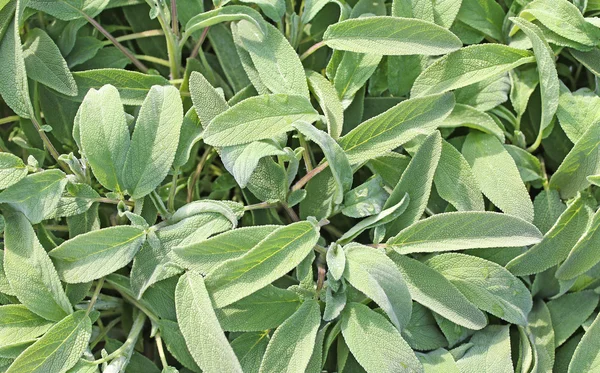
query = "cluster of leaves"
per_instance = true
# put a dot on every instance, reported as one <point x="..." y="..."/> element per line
<point x="284" y="186"/>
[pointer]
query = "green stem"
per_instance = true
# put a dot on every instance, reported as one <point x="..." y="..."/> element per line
<point x="160" y="206"/>
<point x="108" y="327"/>
<point x="161" y="351"/>
<point x="135" y="36"/>
<point x="196" y="175"/>
<point x="312" y="50"/>
<point x="134" y="333"/>
<point x="305" y="153"/>
<point x="156" y="60"/>
<point x="12" y="118"/>
<point x="95" y="296"/>
<point x="312" y="173"/>
<point x="173" y="190"/>
<point x="260" y="206"/>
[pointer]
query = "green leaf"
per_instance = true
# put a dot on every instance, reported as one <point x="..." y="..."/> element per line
<point x="265" y="309"/>
<point x="557" y="243"/>
<point x="215" y="16"/>
<point x="486" y="16"/>
<point x="523" y="83"/>
<point x="385" y="350"/>
<point x="242" y="160"/>
<point x="569" y="311"/>
<point x="250" y="349"/>
<point x="541" y="335"/>
<point x="200" y="328"/>
<point x="190" y="134"/>
<point x="154" y="141"/>
<point x="396" y="126"/>
<point x="438" y="361"/>
<point x="583" y="255"/>
<point x="586" y="356"/>
<point x="486" y="284"/>
<point x="176" y="344"/>
<point x="96" y="254"/>
<point x="577" y="111"/>
<point x="497" y="175"/>
<point x="59" y="349"/>
<point x="549" y="83"/>
<point x="104" y="135"/>
<point x="206" y="255"/>
<point x="583" y="160"/>
<point x="374" y="274"/>
<point x="133" y="87"/>
<point x="37" y="195"/>
<point x="45" y="64"/>
<point x="351" y="74"/>
<point x="18" y="325"/>
<point x="435" y="292"/>
<point x="275" y="60"/>
<point x="528" y="165"/>
<point x="258" y="118"/>
<point x="416" y="181"/>
<point x="336" y="261"/>
<point x="291" y="346"/>
<point x="69" y="9"/>
<point x="329" y="102"/>
<point x="467" y="116"/>
<point x="490" y="351"/>
<point x="455" y="182"/>
<point x="467" y="66"/>
<point x="465" y="230"/>
<point x="13" y="77"/>
<point x="548" y="207"/>
<point x="338" y="162"/>
<point x="270" y="259"/>
<point x="422" y="332"/>
<point x="561" y="17"/>
<point x="207" y="100"/>
<point x="12" y="170"/>
<point x="390" y="36"/>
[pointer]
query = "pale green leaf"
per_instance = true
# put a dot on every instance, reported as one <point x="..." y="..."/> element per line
<point x="577" y="111"/>
<point x="366" y="199"/>
<point x="569" y="312"/>
<point x="416" y="181"/>
<point x="30" y="272"/>
<point x="486" y="284"/>
<point x="497" y="175"/>
<point x="557" y="243"/>
<point x="250" y="349"/>
<point x="486" y="16"/>
<point x="435" y="292"/>
<point x="96" y="254"/>
<point x="422" y="332"/>
<point x="46" y="65"/>
<point x="18" y="325"/>
<point x="467" y="116"/>
<point x="69" y="9"/>
<point x="12" y="169"/>
<point x="154" y="141"/>
<point x="523" y="83"/>
<point x="467" y="66"/>
<point x="291" y="346"/>
<point x="200" y="328"/>
<point x="258" y="118"/>
<point x="529" y="165"/>
<point x="329" y="102"/>
<point x="548" y="207"/>
<point x="438" y="361"/>
<point x="336" y="261"/>
<point x="391" y="36"/>
<point x="396" y="126"/>
<point x="351" y="74"/>
<point x="59" y="349"/>
<point x="104" y="135"/>
<point x="541" y="335"/>
<point x="270" y="259"/>
<point x="586" y="357"/>
<point x="374" y="274"/>
<point x="226" y="14"/>
<point x="265" y="309"/>
<point x="490" y="352"/>
<point x="584" y="254"/>
<point x="385" y="350"/>
<point x="242" y="160"/>
<point x="207" y="100"/>
<point x="275" y="60"/>
<point x="455" y="182"/>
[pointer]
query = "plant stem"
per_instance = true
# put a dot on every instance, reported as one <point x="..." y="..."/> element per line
<point x="173" y="190"/>
<point x="260" y="206"/>
<point x="174" y="19"/>
<point x="95" y="295"/>
<point x="306" y="178"/>
<point x="156" y="60"/>
<point x="290" y="211"/>
<point x="115" y="42"/>
<point x="161" y="351"/>
<point x="311" y="50"/>
<point x="137" y="35"/>
<point x="160" y="206"/>
<point x="112" y="201"/>
<point x="134" y="333"/>
<point x="305" y="153"/>
<point x="199" y="43"/>
<point x="56" y="228"/>
<point x="197" y="173"/>
<point x="10" y="119"/>
<point x="108" y="327"/>
<point x="48" y="144"/>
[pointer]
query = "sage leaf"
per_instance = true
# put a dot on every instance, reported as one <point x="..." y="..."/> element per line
<point x="250" y="349"/>
<point x="200" y="328"/>
<point x="374" y="274"/>
<point x="258" y="118"/>
<point x="465" y="230"/>
<point x="154" y="141"/>
<point x="59" y="349"/>
<point x="467" y="66"/>
<point x="582" y="256"/>
<point x="585" y="357"/>
<point x="385" y="351"/>
<point x="96" y="254"/>
<point x="390" y="36"/>
<point x="18" y="325"/>
<point x="491" y="163"/>
<point x="329" y="102"/>
<point x="490" y="351"/>
<point x="270" y="259"/>
<point x="299" y="331"/>
<point x="577" y="111"/>
<point x="579" y="306"/>
<point x="12" y="169"/>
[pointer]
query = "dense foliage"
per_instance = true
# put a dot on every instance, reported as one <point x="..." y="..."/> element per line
<point x="283" y="186"/>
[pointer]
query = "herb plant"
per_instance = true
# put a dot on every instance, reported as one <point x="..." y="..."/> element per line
<point x="282" y="186"/>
